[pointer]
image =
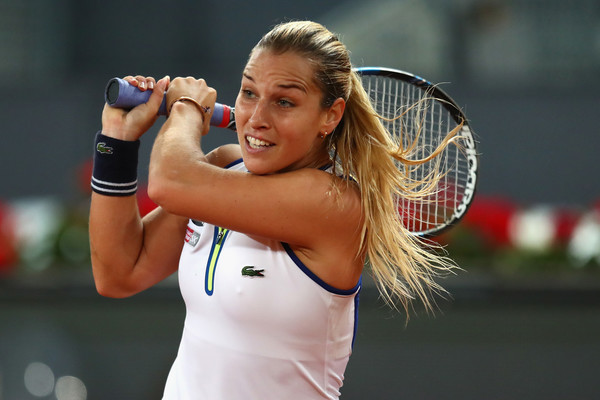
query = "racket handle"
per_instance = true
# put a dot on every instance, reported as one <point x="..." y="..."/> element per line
<point x="119" y="93"/>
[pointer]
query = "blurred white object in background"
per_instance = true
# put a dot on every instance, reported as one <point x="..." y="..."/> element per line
<point x="585" y="242"/>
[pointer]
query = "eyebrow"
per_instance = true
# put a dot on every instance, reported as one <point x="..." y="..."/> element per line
<point x="293" y="86"/>
<point x="283" y="85"/>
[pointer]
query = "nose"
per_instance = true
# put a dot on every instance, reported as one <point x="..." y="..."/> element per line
<point x="259" y="119"/>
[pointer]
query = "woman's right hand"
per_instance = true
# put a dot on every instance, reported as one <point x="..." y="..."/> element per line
<point x="131" y="125"/>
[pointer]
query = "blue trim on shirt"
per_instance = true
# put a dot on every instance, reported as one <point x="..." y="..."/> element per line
<point x="233" y="163"/>
<point x="356" y="302"/>
<point x="315" y="278"/>
<point x="326" y="167"/>
<point x="355" y="290"/>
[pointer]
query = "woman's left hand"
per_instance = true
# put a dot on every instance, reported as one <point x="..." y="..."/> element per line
<point x="203" y="96"/>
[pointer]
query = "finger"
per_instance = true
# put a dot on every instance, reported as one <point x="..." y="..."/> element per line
<point x="165" y="82"/>
<point x="151" y="83"/>
<point x="131" y="80"/>
<point x="158" y="93"/>
<point x="143" y="82"/>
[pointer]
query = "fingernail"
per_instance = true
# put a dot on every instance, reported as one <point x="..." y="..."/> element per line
<point x="142" y="85"/>
<point x="150" y="85"/>
<point x="162" y="83"/>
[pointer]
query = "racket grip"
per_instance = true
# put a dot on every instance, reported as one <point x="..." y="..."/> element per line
<point x="120" y="94"/>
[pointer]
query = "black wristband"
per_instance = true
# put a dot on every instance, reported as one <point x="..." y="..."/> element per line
<point x="115" y="166"/>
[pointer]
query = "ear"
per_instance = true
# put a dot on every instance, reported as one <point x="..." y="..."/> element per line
<point x="333" y="115"/>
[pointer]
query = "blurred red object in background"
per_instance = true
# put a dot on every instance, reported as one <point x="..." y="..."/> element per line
<point x="8" y="243"/>
<point x="491" y="217"/>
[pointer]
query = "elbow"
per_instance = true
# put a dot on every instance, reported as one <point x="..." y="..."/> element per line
<point x="170" y="179"/>
<point x="156" y="190"/>
<point x="159" y="188"/>
<point x="111" y="287"/>
<point x="111" y="291"/>
<point x="165" y="191"/>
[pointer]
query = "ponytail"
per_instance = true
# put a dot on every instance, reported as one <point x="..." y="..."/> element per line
<point x="403" y="266"/>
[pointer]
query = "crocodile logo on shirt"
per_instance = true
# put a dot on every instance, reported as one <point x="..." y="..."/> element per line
<point x="250" y="271"/>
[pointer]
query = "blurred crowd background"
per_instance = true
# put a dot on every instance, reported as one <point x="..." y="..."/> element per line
<point x="526" y="72"/>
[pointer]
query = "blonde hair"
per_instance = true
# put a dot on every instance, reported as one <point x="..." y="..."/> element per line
<point x="403" y="266"/>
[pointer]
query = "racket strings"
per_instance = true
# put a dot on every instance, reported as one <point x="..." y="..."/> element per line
<point x="419" y="125"/>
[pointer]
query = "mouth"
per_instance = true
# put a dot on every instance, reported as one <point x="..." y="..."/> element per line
<point x="257" y="144"/>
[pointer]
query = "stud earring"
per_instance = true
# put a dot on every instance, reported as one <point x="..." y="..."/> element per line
<point x="322" y="135"/>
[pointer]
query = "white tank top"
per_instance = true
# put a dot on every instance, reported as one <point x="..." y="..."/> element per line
<point x="259" y="324"/>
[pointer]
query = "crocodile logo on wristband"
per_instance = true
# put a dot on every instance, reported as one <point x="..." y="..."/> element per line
<point x="103" y="148"/>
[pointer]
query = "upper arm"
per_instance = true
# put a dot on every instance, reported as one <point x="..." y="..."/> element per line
<point x="163" y="239"/>
<point x="300" y="207"/>
<point x="130" y="255"/>
<point x="319" y="215"/>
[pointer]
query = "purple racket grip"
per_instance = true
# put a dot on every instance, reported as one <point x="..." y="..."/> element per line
<point x="119" y="93"/>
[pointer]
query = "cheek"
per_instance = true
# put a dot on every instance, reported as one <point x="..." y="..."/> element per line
<point x="238" y="111"/>
<point x="298" y="129"/>
<point x="241" y="118"/>
<point x="290" y="132"/>
<point x="240" y="138"/>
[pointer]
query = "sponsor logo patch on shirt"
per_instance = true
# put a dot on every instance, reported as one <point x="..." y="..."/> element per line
<point x="191" y="237"/>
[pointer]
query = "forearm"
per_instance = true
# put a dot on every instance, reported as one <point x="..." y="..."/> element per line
<point x="116" y="240"/>
<point x="176" y="153"/>
<point x="128" y="254"/>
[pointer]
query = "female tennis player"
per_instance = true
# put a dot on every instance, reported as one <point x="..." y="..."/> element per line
<point x="269" y="236"/>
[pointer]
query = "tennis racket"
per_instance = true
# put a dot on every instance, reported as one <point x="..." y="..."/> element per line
<point x="393" y="93"/>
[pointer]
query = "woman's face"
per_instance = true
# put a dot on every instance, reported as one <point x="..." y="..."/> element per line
<point x="279" y="115"/>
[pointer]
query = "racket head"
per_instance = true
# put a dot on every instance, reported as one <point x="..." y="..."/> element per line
<point x="395" y="92"/>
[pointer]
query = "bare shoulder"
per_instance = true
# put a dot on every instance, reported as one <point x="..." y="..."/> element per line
<point x="224" y="155"/>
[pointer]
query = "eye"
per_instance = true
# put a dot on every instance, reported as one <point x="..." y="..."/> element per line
<point x="285" y="103"/>
<point x="248" y="94"/>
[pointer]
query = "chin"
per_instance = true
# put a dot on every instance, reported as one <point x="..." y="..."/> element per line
<point x="257" y="168"/>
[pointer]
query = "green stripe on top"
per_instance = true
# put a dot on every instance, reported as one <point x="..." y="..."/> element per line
<point x="213" y="258"/>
